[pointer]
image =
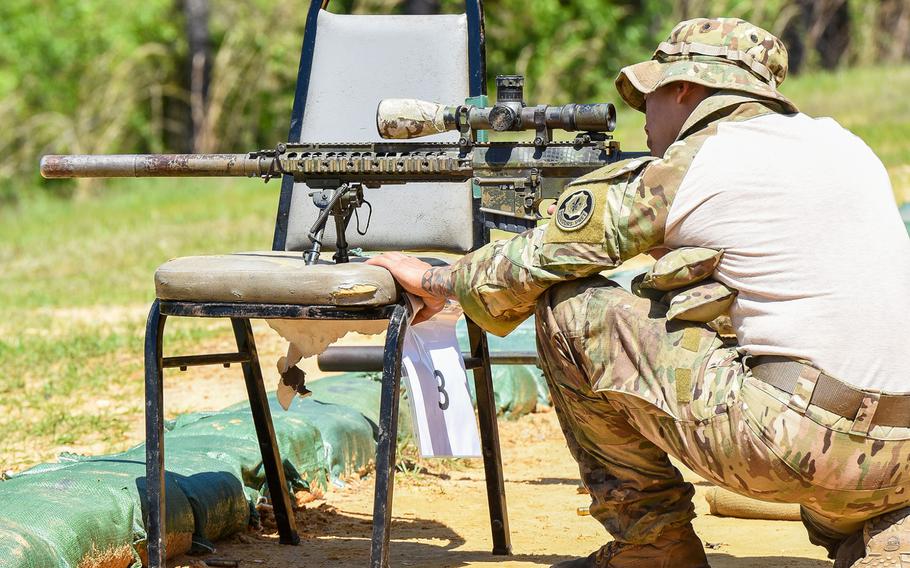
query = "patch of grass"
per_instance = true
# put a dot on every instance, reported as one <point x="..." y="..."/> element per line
<point x="871" y="102"/>
<point x="105" y="250"/>
<point x="76" y="282"/>
<point x="76" y="387"/>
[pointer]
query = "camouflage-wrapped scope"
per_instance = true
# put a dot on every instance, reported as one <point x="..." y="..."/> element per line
<point x="413" y="118"/>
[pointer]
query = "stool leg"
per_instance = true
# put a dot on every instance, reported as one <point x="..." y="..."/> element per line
<point x="489" y="437"/>
<point x="388" y="438"/>
<point x="265" y="432"/>
<point x="154" y="437"/>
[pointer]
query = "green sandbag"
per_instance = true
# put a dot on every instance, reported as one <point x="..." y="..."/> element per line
<point x="21" y="547"/>
<point x="514" y="390"/>
<point x="220" y="506"/>
<point x="517" y="389"/>
<point x="209" y="476"/>
<point x="360" y="391"/>
<point x="299" y="443"/>
<point x="348" y="438"/>
<point x="86" y="506"/>
<point x="228" y="440"/>
<point x="86" y="509"/>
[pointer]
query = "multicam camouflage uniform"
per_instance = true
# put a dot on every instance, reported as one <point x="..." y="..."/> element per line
<point x="631" y="386"/>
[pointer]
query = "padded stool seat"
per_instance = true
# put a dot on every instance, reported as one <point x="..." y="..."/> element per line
<point x="273" y="278"/>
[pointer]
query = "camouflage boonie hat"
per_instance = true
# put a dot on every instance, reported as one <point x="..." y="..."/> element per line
<point x="721" y="53"/>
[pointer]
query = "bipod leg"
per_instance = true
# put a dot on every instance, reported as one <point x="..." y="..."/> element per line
<point x="341" y="226"/>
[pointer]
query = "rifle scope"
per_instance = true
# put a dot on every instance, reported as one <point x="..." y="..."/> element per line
<point x="412" y="118"/>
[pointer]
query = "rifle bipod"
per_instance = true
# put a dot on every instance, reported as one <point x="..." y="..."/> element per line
<point x="340" y="203"/>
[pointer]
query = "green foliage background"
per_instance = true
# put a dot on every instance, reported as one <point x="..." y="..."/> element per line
<point x="93" y="76"/>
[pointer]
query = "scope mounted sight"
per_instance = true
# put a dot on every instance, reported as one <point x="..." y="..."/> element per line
<point x="412" y="118"/>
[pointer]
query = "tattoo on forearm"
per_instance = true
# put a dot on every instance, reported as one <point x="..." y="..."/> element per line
<point x="439" y="281"/>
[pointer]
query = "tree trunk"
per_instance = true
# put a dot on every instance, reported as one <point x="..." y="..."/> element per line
<point x="895" y="27"/>
<point x="422" y="7"/>
<point x="821" y="29"/>
<point x="832" y="40"/>
<point x="200" y="64"/>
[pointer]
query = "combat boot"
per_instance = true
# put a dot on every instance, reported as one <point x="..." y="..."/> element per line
<point x="850" y="550"/>
<point x="674" y="548"/>
<point x="887" y="540"/>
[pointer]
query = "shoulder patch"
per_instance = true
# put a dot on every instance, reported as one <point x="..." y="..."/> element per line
<point x="579" y="216"/>
<point x="575" y="210"/>
<point x="612" y="171"/>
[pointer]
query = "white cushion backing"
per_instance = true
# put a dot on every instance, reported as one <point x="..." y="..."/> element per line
<point x="358" y="61"/>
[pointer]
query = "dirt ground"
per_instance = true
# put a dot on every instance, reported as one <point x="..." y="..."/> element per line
<point x="440" y="514"/>
<point x="440" y="518"/>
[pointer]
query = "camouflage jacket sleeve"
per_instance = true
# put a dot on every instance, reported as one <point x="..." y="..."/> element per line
<point x="601" y="220"/>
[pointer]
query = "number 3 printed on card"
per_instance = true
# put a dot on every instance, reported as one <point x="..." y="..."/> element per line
<point x="441" y="387"/>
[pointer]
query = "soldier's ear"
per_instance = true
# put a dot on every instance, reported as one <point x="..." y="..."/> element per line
<point x="686" y="93"/>
<point x="683" y="91"/>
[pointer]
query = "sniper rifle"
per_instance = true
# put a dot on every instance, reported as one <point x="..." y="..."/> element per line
<point x="511" y="179"/>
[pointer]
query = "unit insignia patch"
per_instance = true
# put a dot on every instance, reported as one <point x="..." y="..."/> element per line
<point x="575" y="210"/>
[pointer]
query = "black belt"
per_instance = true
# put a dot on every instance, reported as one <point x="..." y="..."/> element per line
<point x="832" y="394"/>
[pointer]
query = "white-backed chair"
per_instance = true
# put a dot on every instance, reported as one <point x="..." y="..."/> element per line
<point x="348" y="63"/>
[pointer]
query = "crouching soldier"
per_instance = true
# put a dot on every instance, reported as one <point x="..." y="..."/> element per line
<point x="767" y="211"/>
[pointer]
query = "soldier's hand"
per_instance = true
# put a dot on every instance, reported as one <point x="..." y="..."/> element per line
<point x="409" y="272"/>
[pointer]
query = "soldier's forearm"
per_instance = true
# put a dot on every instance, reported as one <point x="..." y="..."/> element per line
<point x="439" y="281"/>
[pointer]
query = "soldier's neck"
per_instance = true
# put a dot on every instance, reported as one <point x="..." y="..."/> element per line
<point x="724" y="104"/>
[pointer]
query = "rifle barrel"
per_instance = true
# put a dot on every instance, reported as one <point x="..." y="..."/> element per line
<point x="153" y="165"/>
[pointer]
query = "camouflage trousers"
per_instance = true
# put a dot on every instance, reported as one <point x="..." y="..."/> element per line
<point x="631" y="388"/>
